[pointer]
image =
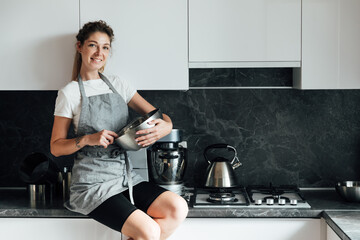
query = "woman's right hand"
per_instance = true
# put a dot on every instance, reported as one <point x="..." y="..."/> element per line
<point x="103" y="138"/>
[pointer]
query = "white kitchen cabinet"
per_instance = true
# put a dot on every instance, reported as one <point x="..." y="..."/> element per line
<point x="244" y="33"/>
<point x="192" y="228"/>
<point x="150" y="47"/>
<point x="37" y="43"/>
<point x="330" y="45"/>
<point x="245" y="228"/>
<point x="55" y="229"/>
<point x="330" y="234"/>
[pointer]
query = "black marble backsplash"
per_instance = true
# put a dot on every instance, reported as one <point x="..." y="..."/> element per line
<point x="240" y="77"/>
<point x="284" y="136"/>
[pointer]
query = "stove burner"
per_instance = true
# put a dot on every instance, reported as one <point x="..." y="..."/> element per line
<point x="222" y="197"/>
<point x="280" y="195"/>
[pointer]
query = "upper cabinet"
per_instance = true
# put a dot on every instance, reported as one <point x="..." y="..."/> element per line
<point x="157" y="41"/>
<point x="244" y="33"/>
<point x="37" y="43"/>
<point x="330" y="45"/>
<point x="151" y="44"/>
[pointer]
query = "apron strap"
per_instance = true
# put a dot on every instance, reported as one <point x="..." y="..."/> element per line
<point x="82" y="90"/>
<point x="106" y="80"/>
<point x="130" y="182"/>
<point x="102" y="76"/>
<point x="127" y="162"/>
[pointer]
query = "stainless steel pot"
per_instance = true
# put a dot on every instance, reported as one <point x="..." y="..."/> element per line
<point x="220" y="172"/>
<point x="36" y="192"/>
<point x="349" y="190"/>
<point x="127" y="135"/>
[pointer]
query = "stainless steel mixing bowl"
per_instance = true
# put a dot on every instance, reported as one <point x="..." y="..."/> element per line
<point x="127" y="135"/>
<point x="349" y="190"/>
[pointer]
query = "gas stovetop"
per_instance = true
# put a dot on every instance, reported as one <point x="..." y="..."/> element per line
<point x="255" y="196"/>
<point x="205" y="198"/>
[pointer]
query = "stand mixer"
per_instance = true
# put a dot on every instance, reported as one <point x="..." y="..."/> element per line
<point x="167" y="160"/>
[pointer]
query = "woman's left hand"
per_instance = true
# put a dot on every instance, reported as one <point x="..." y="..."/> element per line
<point x="161" y="129"/>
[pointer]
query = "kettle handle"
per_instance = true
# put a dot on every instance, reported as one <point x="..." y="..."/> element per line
<point x="219" y="145"/>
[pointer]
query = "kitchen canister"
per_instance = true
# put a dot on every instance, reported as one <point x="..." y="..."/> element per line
<point x="37" y="194"/>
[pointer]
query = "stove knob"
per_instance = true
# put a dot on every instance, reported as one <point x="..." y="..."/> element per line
<point x="269" y="201"/>
<point x="293" y="202"/>
<point x="282" y="201"/>
<point x="258" y="202"/>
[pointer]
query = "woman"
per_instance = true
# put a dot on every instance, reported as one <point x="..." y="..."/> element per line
<point x="97" y="105"/>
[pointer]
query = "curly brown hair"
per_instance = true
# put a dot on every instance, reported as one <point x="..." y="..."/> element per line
<point x="83" y="34"/>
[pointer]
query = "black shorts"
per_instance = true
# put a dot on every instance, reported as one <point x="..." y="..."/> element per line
<point x="115" y="210"/>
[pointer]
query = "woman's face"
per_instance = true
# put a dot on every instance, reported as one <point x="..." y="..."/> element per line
<point x="94" y="51"/>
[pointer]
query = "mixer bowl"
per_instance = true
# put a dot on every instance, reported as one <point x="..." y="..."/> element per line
<point x="167" y="166"/>
<point x="127" y="135"/>
<point x="349" y="190"/>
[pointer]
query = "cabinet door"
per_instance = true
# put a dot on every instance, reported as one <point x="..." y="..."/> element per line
<point x="349" y="45"/>
<point x="244" y="33"/>
<point x="330" y="234"/>
<point x="37" y="43"/>
<point x="238" y="228"/>
<point x="330" y="45"/>
<point x="55" y="229"/>
<point x="150" y="47"/>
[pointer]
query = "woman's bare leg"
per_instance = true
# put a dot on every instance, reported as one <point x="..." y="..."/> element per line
<point x="164" y="215"/>
<point x="169" y="210"/>
<point x="139" y="226"/>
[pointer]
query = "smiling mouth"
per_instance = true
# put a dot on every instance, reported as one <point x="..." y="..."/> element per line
<point x="96" y="60"/>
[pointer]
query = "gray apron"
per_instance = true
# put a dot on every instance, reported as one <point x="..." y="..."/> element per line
<point x="100" y="173"/>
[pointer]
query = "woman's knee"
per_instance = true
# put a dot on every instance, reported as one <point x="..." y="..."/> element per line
<point x="169" y="206"/>
<point x="149" y="232"/>
<point x="140" y="226"/>
<point x="179" y="208"/>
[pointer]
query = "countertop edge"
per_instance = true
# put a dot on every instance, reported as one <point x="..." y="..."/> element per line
<point x="334" y="226"/>
<point x="39" y="213"/>
<point x="195" y="213"/>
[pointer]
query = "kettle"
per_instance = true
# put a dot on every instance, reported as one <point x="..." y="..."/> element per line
<point x="220" y="172"/>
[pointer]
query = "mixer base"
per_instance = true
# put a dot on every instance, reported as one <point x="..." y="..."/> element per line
<point x="176" y="188"/>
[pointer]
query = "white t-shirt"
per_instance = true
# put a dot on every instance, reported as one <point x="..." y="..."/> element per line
<point x="68" y="101"/>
